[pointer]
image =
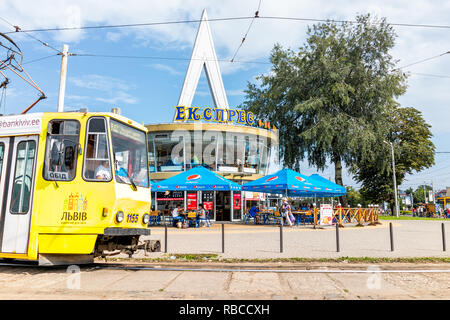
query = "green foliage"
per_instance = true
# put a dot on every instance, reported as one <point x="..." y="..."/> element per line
<point x="327" y="98"/>
<point x="419" y="196"/>
<point x="413" y="151"/>
<point x="354" y="198"/>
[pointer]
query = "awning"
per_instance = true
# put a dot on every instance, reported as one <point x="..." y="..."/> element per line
<point x="198" y="178"/>
<point x="290" y="183"/>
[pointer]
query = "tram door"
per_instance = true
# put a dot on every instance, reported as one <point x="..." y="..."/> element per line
<point x="18" y="162"/>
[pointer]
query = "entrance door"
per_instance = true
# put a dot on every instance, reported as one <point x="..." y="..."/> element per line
<point x="17" y="181"/>
<point x="223" y="206"/>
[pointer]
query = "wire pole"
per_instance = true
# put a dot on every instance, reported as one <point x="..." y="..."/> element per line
<point x="62" y="78"/>
<point x="424" y="193"/>
<point x="395" y="179"/>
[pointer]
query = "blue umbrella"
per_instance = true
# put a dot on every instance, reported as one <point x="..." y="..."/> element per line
<point x="289" y="183"/>
<point x="330" y="187"/>
<point x="198" y="178"/>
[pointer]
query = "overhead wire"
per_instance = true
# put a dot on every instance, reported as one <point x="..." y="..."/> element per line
<point x="421" y="61"/>
<point x="40" y="59"/>
<point x="246" y="33"/>
<point x="160" y="58"/>
<point x="18" y="29"/>
<point x="430" y="75"/>
<point x="225" y="19"/>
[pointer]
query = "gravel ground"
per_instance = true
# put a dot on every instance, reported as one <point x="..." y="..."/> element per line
<point x="99" y="284"/>
<point x="411" y="239"/>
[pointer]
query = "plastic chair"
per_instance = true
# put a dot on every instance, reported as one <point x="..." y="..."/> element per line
<point x="248" y="217"/>
<point x="154" y="217"/>
<point x="309" y="218"/>
<point x="192" y="219"/>
<point x="276" y="218"/>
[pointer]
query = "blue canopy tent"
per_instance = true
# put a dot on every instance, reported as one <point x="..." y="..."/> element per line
<point x="330" y="187"/>
<point x="197" y="179"/>
<point x="289" y="183"/>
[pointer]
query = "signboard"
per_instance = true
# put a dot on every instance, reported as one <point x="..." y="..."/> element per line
<point x="219" y="115"/>
<point x="228" y="169"/>
<point x="170" y="196"/>
<point x="21" y="124"/>
<point x="207" y="200"/>
<point x="191" y="203"/>
<point x="326" y="214"/>
<point x="236" y="201"/>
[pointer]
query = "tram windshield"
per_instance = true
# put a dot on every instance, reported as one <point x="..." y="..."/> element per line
<point x="130" y="154"/>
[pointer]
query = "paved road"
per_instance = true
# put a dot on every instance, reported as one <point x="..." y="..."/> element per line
<point x="95" y="283"/>
<point x="411" y="239"/>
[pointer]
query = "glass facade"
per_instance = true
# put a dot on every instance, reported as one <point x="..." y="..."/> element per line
<point x="221" y="151"/>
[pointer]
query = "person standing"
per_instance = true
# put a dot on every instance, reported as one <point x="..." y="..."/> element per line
<point x="201" y="214"/>
<point x="286" y="212"/>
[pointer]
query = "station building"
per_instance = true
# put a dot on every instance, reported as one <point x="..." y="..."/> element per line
<point x="227" y="141"/>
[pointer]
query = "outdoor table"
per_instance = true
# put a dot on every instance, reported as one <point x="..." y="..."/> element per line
<point x="265" y="213"/>
<point x="301" y="215"/>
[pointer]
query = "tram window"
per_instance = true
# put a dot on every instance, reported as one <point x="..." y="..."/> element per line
<point x="60" y="155"/>
<point x="130" y="154"/>
<point x="23" y="177"/>
<point x="97" y="165"/>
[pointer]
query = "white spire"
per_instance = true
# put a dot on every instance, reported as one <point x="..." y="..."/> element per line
<point x="203" y="55"/>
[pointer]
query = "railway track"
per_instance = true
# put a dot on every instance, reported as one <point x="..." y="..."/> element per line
<point x="213" y="267"/>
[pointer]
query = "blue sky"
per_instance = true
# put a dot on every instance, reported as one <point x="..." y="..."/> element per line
<point x="147" y="89"/>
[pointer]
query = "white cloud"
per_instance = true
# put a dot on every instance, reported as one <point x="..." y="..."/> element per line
<point x="119" y="97"/>
<point x="167" y="68"/>
<point x="99" y="82"/>
<point x="113" y="36"/>
<point x="428" y="94"/>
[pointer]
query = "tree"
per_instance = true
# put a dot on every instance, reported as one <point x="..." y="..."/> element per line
<point x="413" y="151"/>
<point x="354" y="198"/>
<point x="326" y="99"/>
<point x="419" y="194"/>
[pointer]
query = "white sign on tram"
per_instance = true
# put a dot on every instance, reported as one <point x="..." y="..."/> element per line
<point x="23" y="124"/>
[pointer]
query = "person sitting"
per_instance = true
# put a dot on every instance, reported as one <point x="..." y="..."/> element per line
<point x="253" y="212"/>
<point x="176" y="216"/>
<point x="103" y="171"/>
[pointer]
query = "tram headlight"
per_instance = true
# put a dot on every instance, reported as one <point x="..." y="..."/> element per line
<point x="145" y="218"/>
<point x="119" y="216"/>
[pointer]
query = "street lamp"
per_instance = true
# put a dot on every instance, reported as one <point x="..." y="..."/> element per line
<point x="395" y="180"/>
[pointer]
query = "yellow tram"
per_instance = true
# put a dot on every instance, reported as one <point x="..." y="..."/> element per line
<point x="75" y="185"/>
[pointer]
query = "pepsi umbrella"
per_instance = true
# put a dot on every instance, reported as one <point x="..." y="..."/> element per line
<point x="289" y="183"/>
<point x="198" y="178"/>
<point x="330" y="187"/>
